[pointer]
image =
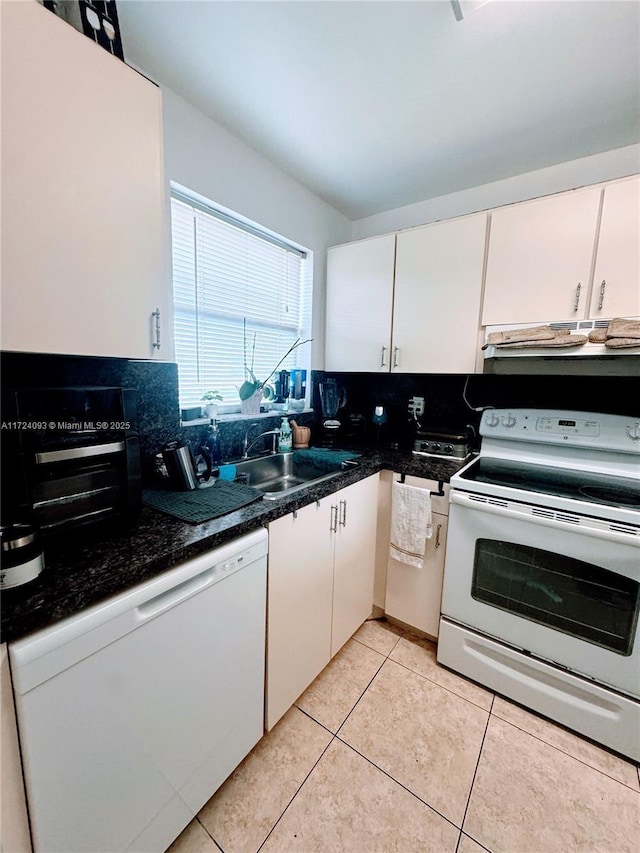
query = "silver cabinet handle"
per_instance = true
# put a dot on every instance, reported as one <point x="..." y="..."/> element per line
<point x="395" y="356"/>
<point x="383" y="363"/>
<point x="603" y="287"/>
<point x="438" y="529"/>
<point x="333" y="526"/>
<point x="343" y="513"/>
<point x="156" y="314"/>
<point x="578" y="289"/>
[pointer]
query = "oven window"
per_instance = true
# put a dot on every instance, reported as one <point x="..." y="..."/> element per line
<point x="572" y="596"/>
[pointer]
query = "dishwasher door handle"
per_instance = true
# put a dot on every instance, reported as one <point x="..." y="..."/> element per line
<point x="171" y="597"/>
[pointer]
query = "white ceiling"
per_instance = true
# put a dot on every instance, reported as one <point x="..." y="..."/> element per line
<point x="374" y="105"/>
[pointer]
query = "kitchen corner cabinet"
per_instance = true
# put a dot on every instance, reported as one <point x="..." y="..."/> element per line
<point x="539" y="261"/>
<point x="14" y="824"/>
<point x="413" y="595"/>
<point x="616" y="282"/>
<point x="320" y="588"/>
<point x="359" y="305"/>
<point x="83" y="217"/>
<point x="438" y="286"/>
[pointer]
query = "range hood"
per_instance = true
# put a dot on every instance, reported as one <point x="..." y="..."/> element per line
<point x="572" y="329"/>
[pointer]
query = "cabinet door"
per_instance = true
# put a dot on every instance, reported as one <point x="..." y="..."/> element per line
<point x="359" y="305"/>
<point x="14" y="825"/>
<point x="539" y="253"/>
<point x="413" y="595"/>
<point x="616" y="283"/>
<point x="354" y="560"/>
<point x="83" y="264"/>
<point x="299" y="605"/>
<point x="436" y="312"/>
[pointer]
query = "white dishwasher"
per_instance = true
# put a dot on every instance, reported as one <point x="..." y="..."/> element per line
<point x="132" y="713"/>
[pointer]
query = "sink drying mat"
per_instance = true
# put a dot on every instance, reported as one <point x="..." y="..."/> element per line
<point x="323" y="458"/>
<point x="201" y="504"/>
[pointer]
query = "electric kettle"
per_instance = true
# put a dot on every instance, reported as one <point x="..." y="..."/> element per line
<point x="181" y="466"/>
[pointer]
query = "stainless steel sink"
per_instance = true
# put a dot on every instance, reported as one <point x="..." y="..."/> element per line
<point x="279" y="474"/>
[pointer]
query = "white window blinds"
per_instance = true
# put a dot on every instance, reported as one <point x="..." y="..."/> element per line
<point x="227" y="275"/>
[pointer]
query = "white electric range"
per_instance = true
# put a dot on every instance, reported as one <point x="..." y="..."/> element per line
<point x="541" y="588"/>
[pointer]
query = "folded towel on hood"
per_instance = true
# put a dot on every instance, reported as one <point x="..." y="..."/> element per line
<point x="562" y="339"/>
<point x="621" y="328"/>
<point x="621" y="343"/>
<point x="512" y="336"/>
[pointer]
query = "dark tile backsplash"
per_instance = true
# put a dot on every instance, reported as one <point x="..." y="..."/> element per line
<point x="157" y="386"/>
<point x="155" y="382"/>
<point x="445" y="406"/>
<point x="158" y="412"/>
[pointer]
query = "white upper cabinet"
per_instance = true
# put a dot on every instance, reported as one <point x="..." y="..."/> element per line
<point x="616" y="283"/>
<point x="539" y="261"/>
<point x="83" y="218"/>
<point x="436" y="312"/>
<point x="433" y="307"/>
<point x="359" y="305"/>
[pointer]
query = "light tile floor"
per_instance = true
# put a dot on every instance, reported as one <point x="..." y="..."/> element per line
<point x="387" y="751"/>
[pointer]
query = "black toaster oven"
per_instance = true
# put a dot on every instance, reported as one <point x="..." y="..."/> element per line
<point x="70" y="457"/>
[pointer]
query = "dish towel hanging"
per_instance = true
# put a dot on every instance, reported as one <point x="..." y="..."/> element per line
<point x="410" y="523"/>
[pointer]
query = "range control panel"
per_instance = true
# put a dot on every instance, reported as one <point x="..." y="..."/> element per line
<point x="568" y="426"/>
<point x="573" y="429"/>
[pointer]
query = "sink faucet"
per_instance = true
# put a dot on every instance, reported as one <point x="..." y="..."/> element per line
<point x="247" y="445"/>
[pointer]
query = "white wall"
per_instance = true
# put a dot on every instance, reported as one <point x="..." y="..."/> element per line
<point x="576" y="173"/>
<point x="204" y="157"/>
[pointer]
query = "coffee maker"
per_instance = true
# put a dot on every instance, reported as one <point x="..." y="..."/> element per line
<point x="333" y="397"/>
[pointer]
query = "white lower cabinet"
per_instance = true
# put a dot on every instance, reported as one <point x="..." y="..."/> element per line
<point x="413" y="595"/>
<point x="354" y="559"/>
<point x="321" y="570"/>
<point x="300" y="593"/>
<point x="14" y="824"/>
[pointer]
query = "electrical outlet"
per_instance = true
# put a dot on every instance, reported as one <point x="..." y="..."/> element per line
<point x="416" y="406"/>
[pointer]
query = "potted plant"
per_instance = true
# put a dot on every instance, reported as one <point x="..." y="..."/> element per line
<point x="252" y="389"/>
<point x="211" y="400"/>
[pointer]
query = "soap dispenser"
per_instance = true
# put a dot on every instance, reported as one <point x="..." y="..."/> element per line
<point x="285" y="436"/>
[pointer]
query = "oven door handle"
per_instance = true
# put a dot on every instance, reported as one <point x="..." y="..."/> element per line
<point x="559" y="519"/>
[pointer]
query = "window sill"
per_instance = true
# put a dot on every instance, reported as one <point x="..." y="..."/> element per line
<point x="238" y="416"/>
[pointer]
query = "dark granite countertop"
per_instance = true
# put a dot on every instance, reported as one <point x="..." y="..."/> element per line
<point x="86" y="573"/>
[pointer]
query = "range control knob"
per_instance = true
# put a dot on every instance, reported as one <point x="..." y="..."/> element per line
<point x="492" y="420"/>
<point x="509" y="421"/>
<point x="634" y="431"/>
<point x="424" y="445"/>
<point x="448" y="448"/>
<point x="436" y="447"/>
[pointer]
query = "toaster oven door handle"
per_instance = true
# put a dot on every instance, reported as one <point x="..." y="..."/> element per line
<point x="47" y="456"/>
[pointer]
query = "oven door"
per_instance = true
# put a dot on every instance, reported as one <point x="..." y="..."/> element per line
<point x="563" y="587"/>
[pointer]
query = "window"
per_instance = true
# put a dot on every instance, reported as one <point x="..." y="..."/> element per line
<point x="238" y="292"/>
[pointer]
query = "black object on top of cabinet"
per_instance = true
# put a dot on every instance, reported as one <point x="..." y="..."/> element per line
<point x="97" y="19"/>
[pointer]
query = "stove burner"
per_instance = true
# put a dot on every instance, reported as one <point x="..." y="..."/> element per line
<point x="609" y="495"/>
